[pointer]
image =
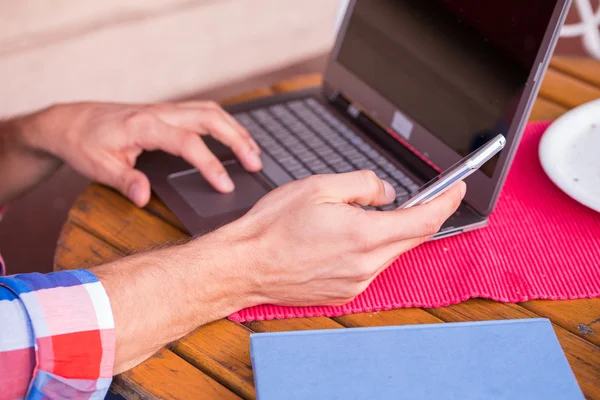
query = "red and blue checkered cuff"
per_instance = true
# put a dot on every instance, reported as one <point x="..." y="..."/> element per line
<point x="67" y="326"/>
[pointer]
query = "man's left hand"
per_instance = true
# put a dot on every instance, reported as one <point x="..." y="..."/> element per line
<point x="103" y="140"/>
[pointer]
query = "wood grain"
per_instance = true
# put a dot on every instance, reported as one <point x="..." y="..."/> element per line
<point x="298" y="82"/>
<point x="222" y="350"/>
<point x="585" y="69"/>
<point x="581" y="317"/>
<point x="405" y="316"/>
<point x="566" y="90"/>
<point x="255" y="94"/>
<point x="214" y="360"/>
<point x="128" y="228"/>
<point x="166" y="376"/>
<point x="158" y="208"/>
<point x="293" y="324"/>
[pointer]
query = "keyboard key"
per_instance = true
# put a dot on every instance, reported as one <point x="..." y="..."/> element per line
<point x="301" y="173"/>
<point x="400" y="190"/>
<point x="324" y="170"/>
<point x="367" y="164"/>
<point x="380" y="174"/>
<point x="412" y="187"/>
<point x="334" y="158"/>
<point x="389" y="207"/>
<point x="326" y="153"/>
<point x="316" y="164"/>
<point x="307" y="157"/>
<point x="401" y="200"/>
<point x="305" y="138"/>
<point x="342" y="166"/>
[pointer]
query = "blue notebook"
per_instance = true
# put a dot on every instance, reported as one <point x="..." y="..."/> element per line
<point x="513" y="359"/>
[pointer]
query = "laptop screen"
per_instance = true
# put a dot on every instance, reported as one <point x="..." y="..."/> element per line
<point x="456" y="67"/>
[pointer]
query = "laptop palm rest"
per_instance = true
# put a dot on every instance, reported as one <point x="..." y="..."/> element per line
<point x="207" y="202"/>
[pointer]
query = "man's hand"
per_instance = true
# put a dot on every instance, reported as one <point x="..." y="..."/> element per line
<point x="307" y="243"/>
<point x="103" y="140"/>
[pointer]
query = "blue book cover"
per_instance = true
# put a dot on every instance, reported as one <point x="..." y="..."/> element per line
<point x="511" y="359"/>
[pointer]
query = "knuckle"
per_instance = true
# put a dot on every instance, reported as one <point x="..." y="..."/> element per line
<point x="212" y="104"/>
<point x="214" y="165"/>
<point x="354" y="290"/>
<point x="364" y="272"/>
<point x="141" y="120"/>
<point x="349" y="291"/>
<point x="432" y="226"/>
<point x="212" y="117"/>
<point x="371" y="181"/>
<point x="315" y="183"/>
<point x="369" y="177"/>
<point x="241" y="143"/>
<point x="343" y="301"/>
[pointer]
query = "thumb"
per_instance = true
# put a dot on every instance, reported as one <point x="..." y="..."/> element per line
<point x="132" y="183"/>
<point x="138" y="187"/>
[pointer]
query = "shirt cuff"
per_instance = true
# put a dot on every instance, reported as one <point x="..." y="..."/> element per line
<point x="73" y="330"/>
<point x="2" y="265"/>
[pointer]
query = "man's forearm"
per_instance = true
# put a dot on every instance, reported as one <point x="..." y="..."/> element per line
<point x="160" y="296"/>
<point x="22" y="166"/>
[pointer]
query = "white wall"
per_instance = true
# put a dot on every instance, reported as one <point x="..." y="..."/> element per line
<point x="145" y="50"/>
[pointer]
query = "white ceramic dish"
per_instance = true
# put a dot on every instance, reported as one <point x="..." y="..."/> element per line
<point x="570" y="153"/>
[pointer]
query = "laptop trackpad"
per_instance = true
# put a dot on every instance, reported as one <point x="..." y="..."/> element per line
<point x="207" y="202"/>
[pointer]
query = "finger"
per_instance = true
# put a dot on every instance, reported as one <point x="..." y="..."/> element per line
<point x="216" y="123"/>
<point x="415" y="222"/>
<point x="189" y="146"/>
<point x="212" y="105"/>
<point x="361" y="187"/>
<point x="131" y="182"/>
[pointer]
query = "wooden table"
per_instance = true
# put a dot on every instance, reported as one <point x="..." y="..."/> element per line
<point x="214" y="361"/>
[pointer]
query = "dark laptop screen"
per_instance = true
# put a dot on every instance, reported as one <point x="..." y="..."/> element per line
<point x="457" y="67"/>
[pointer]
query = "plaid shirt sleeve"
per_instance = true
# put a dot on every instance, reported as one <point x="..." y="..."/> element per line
<point x="57" y="336"/>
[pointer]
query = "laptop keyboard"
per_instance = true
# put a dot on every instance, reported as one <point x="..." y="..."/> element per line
<point x="306" y="139"/>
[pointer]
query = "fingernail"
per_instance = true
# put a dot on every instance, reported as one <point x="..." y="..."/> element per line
<point x="254" y="160"/>
<point x="135" y="193"/>
<point x="463" y="189"/>
<point x="226" y="183"/>
<point x="390" y="192"/>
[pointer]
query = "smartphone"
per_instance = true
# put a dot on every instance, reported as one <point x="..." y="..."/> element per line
<point x="456" y="173"/>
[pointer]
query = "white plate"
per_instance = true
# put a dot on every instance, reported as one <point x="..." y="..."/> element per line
<point x="570" y="153"/>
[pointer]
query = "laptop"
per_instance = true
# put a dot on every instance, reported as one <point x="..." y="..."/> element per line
<point x="411" y="87"/>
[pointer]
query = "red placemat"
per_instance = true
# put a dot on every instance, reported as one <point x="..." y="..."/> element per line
<point x="540" y="244"/>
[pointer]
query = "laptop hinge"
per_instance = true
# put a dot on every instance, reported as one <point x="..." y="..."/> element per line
<point x="377" y="132"/>
<point x="353" y="111"/>
<point x="343" y="104"/>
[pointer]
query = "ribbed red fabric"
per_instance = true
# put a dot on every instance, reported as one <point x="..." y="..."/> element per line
<point x="540" y="244"/>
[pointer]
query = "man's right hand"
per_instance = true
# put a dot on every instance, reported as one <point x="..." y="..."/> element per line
<point x="307" y="243"/>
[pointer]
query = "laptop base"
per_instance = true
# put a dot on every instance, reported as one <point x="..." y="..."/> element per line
<point x="201" y="209"/>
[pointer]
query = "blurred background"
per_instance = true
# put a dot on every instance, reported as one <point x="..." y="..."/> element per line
<point x="156" y="50"/>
